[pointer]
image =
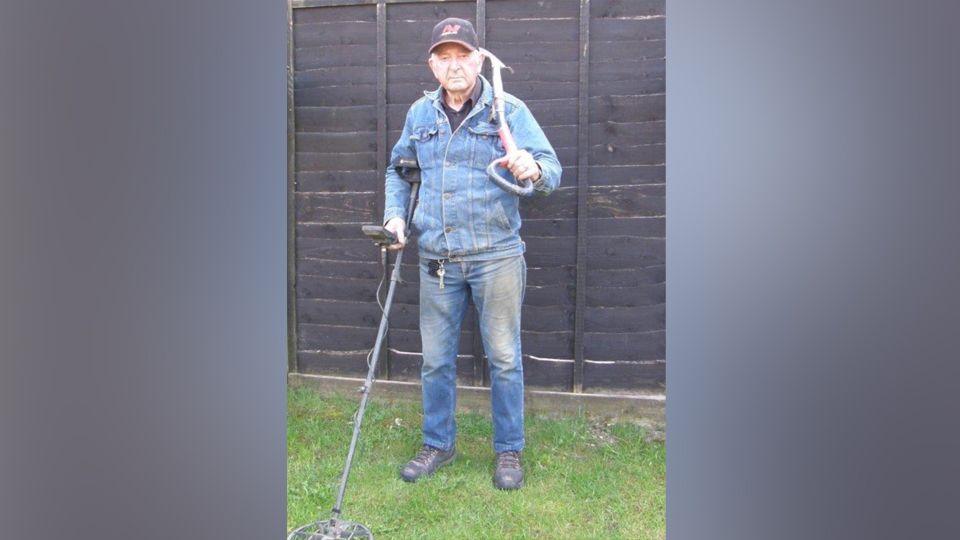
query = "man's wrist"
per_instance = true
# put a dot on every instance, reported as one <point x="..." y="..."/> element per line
<point x="538" y="181"/>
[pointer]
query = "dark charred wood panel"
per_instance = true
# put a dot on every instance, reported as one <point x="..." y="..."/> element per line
<point x="624" y="376"/>
<point x="337" y="181"/>
<point x="605" y="51"/>
<point x="339" y="363"/>
<point x="603" y="202"/>
<point x="625" y="310"/>
<point x="328" y="337"/>
<point x="618" y="175"/>
<point x="629" y="28"/>
<point x="601" y="9"/>
<point x="624" y="346"/>
<point x="336" y="207"/>
<point x="646" y="226"/>
<point x="430" y="13"/>
<point x="498" y="11"/>
<point x="333" y="14"/>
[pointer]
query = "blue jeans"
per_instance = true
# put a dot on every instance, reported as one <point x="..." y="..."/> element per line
<point x="497" y="288"/>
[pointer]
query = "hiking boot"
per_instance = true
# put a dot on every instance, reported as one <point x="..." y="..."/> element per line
<point x="427" y="461"/>
<point x="509" y="473"/>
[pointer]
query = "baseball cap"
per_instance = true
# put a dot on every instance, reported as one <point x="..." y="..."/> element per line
<point x="454" y="30"/>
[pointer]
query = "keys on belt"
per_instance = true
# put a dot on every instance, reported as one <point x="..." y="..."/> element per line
<point x="435" y="269"/>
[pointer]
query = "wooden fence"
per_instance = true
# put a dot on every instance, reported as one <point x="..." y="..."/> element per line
<point x="592" y="73"/>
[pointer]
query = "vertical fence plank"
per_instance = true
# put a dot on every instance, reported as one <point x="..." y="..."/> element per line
<point x="583" y="146"/>
<point x="382" y="149"/>
<point x="482" y="22"/>
<point x="292" y="365"/>
<point x="480" y="375"/>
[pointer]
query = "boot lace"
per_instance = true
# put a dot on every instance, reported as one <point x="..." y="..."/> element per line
<point x="426" y="453"/>
<point x="508" y="460"/>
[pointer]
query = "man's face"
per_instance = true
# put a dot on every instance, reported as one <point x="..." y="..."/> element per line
<point x="455" y="66"/>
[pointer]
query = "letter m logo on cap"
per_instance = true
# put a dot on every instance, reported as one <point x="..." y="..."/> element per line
<point x="450" y="29"/>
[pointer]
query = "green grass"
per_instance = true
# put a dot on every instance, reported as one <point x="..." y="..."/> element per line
<point x="584" y="477"/>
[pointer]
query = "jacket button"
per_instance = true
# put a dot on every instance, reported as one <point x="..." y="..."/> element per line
<point x="448" y="230"/>
<point x="447" y="195"/>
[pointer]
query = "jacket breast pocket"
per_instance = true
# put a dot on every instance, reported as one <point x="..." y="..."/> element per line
<point x="486" y="143"/>
<point x="424" y="139"/>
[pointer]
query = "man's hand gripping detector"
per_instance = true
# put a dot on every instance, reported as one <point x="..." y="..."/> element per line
<point x="409" y="170"/>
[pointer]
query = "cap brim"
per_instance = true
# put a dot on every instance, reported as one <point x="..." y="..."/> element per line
<point x="439" y="43"/>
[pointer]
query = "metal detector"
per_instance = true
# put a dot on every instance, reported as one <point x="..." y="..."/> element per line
<point x="336" y="528"/>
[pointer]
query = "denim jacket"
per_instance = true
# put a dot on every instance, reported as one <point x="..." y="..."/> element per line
<point x="461" y="214"/>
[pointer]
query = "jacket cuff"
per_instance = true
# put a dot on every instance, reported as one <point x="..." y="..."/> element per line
<point x="393" y="212"/>
<point x="540" y="182"/>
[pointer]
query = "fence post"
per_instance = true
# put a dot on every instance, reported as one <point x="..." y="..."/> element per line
<point x="480" y="375"/>
<point x="292" y="363"/>
<point x="583" y="146"/>
<point x="382" y="149"/>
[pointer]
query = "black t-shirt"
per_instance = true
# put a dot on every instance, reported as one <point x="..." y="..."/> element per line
<point x="456" y="117"/>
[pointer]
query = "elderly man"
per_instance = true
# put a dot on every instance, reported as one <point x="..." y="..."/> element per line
<point x="469" y="242"/>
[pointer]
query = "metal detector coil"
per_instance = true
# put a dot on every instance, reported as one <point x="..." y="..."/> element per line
<point x="331" y="529"/>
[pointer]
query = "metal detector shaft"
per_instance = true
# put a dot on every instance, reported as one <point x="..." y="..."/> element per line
<point x="394" y="278"/>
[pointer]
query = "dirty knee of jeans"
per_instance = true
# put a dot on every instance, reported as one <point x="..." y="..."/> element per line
<point x="438" y="375"/>
<point x="505" y="361"/>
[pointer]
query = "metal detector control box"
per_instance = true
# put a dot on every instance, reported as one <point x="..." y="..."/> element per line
<point x="379" y="235"/>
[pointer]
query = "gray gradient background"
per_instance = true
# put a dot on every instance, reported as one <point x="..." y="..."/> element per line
<point x="812" y="256"/>
<point x="812" y="264"/>
<point x="143" y="266"/>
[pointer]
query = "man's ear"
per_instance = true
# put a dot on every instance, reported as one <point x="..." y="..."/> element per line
<point x="477" y="59"/>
